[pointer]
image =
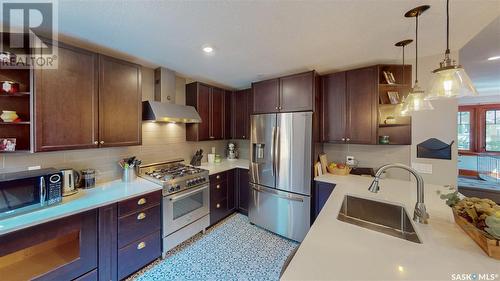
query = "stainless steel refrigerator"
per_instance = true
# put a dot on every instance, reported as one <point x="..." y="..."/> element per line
<point x="280" y="173"/>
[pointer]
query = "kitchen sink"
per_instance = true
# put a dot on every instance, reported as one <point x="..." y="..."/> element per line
<point x="383" y="217"/>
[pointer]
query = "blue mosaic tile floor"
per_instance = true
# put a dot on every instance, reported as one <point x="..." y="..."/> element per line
<point x="232" y="250"/>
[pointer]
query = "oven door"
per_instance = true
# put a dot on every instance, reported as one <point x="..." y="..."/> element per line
<point x="182" y="208"/>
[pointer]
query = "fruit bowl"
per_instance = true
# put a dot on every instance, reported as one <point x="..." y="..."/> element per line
<point x="339" y="171"/>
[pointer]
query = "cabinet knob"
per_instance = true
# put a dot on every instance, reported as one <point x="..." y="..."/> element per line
<point x="276" y="108"/>
<point x="279" y="107"/>
<point x="141" y="216"/>
<point x="102" y="142"/>
<point x="141" y="201"/>
<point x="348" y="139"/>
<point x="218" y="186"/>
<point x="141" y="245"/>
<point x="217" y="206"/>
<point x="96" y="142"/>
<point x="343" y="139"/>
<point x="217" y="177"/>
<point x="212" y="137"/>
<point x="243" y="136"/>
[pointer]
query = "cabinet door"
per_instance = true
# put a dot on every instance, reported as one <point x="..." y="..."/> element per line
<point x="241" y="118"/>
<point x="203" y="107"/>
<point x="231" y="190"/>
<point x="120" y="109"/>
<point x="217" y="97"/>
<point x="228" y="112"/>
<point x="63" y="249"/>
<point x="297" y="92"/>
<point x="266" y="96"/>
<point x="243" y="191"/>
<point x="108" y="247"/>
<point x="322" y="192"/>
<point x="333" y="113"/>
<point x="66" y="102"/>
<point x="362" y="101"/>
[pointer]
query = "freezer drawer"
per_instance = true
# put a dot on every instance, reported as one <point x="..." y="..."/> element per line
<point x="283" y="213"/>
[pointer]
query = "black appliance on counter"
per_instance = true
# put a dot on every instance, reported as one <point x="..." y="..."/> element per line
<point x="25" y="191"/>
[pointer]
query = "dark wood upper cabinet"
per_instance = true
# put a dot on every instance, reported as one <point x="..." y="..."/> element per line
<point x="297" y="92"/>
<point x="286" y="94"/>
<point x="266" y="96"/>
<point x="210" y="102"/>
<point x="334" y="113"/>
<point x="349" y="106"/>
<point x="66" y="102"/>
<point x="228" y="112"/>
<point x="120" y="108"/>
<point x="241" y="118"/>
<point x="362" y="101"/>
<point x="217" y="98"/>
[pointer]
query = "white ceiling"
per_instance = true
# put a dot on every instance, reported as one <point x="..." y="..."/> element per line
<point x="254" y="40"/>
<point x="474" y="56"/>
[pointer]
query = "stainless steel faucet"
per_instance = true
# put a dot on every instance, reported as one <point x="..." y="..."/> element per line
<point x="420" y="214"/>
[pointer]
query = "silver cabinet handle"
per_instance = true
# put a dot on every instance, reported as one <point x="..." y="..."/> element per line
<point x="102" y="142"/>
<point x="217" y="177"/>
<point x="276" y="107"/>
<point x="343" y="139"/>
<point x="96" y="142"/>
<point x="243" y="136"/>
<point x="348" y="139"/>
<point x="218" y="186"/>
<point x="218" y="206"/>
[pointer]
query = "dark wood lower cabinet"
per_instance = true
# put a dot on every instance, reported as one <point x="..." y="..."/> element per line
<point x="90" y="276"/>
<point x="64" y="249"/>
<point x="243" y="190"/>
<point x="321" y="193"/>
<point x="108" y="245"/>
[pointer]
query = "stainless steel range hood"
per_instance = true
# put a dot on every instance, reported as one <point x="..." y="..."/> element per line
<point x="168" y="112"/>
<point x="164" y="108"/>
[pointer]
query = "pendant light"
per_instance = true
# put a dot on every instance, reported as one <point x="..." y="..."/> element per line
<point x="402" y="44"/>
<point x="415" y="100"/>
<point x="450" y="80"/>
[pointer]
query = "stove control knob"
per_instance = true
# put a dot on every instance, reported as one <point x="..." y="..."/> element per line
<point x="171" y="189"/>
<point x="177" y="187"/>
<point x="189" y="182"/>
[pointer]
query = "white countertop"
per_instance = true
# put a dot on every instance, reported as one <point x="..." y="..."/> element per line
<point x="101" y="195"/>
<point x="225" y="165"/>
<point x="335" y="250"/>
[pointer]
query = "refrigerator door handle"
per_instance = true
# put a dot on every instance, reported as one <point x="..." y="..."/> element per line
<point x="277" y="194"/>
<point x="277" y="152"/>
<point x="273" y="151"/>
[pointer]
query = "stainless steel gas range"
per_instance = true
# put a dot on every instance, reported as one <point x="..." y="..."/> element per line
<point x="185" y="199"/>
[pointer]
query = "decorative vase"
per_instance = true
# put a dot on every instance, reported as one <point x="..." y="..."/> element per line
<point x="8" y="116"/>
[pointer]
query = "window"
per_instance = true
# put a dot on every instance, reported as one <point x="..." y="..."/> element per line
<point x="492" y="139"/>
<point x="464" y="130"/>
<point x="478" y="128"/>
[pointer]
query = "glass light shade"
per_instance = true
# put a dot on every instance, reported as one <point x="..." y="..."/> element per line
<point x="415" y="101"/>
<point x="451" y="82"/>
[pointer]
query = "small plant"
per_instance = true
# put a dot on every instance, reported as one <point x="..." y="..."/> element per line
<point x="493" y="225"/>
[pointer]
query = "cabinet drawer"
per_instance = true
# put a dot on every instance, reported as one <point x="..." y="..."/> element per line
<point x="218" y="177"/>
<point x="218" y="191"/>
<point x="136" y="225"/>
<point x="138" y="254"/>
<point x="218" y="211"/>
<point x="139" y="203"/>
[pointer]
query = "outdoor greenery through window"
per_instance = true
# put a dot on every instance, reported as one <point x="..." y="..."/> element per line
<point x="492" y="130"/>
<point x="464" y="130"/>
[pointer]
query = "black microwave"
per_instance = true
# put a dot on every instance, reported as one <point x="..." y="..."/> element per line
<point x="25" y="191"/>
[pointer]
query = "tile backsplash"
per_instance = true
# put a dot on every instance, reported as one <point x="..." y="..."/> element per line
<point x="160" y="142"/>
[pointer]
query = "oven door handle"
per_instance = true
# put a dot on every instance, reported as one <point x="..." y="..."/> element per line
<point x="182" y="196"/>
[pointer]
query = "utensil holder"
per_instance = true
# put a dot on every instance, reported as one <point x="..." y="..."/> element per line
<point x="129" y="175"/>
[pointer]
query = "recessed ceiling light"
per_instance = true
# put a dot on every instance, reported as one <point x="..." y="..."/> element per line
<point x="208" y="49"/>
<point x="494" y="58"/>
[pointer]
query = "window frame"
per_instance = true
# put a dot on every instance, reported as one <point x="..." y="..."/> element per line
<point x="478" y="128"/>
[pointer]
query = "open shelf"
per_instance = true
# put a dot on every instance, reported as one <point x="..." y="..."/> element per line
<point x="18" y="94"/>
<point x="393" y="125"/>
<point x="15" y="123"/>
<point x="36" y="260"/>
